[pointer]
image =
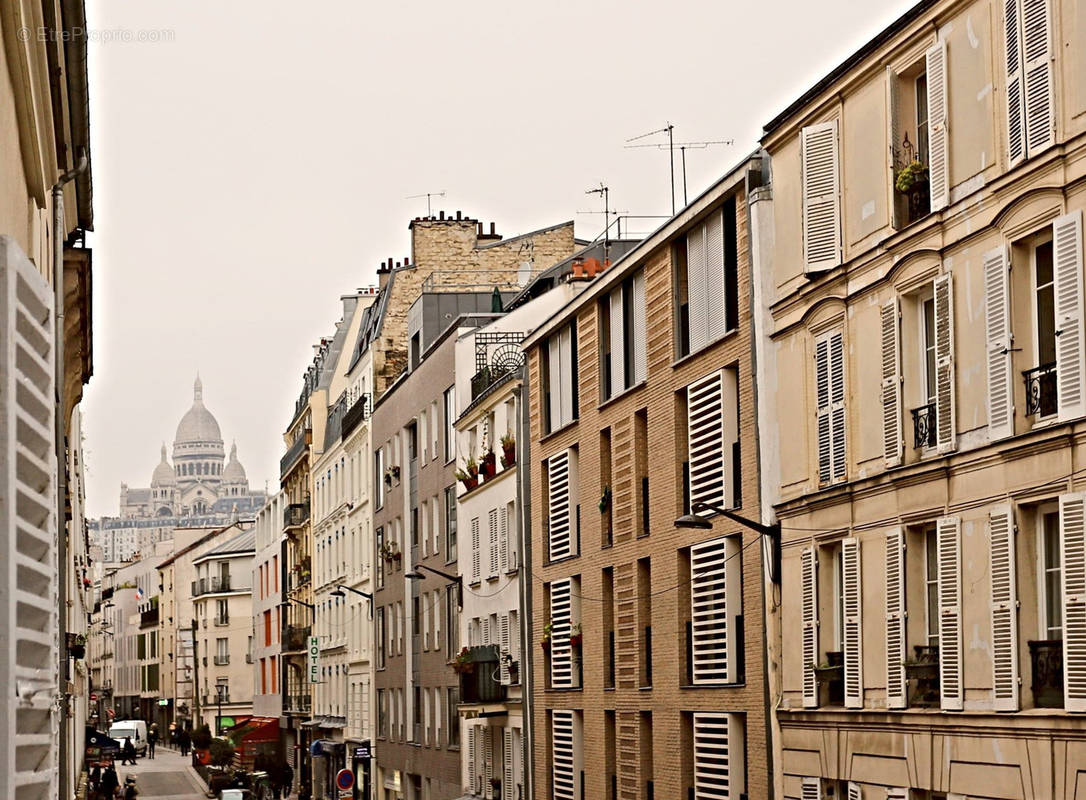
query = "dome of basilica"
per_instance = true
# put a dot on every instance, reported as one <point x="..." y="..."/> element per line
<point x="234" y="472"/>
<point x="198" y="424"/>
<point x="163" y="474"/>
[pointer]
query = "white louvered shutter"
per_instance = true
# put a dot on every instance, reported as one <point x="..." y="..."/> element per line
<point x="1070" y="344"/>
<point x="561" y="629"/>
<point x="507" y="763"/>
<point x="494" y="542"/>
<point x="809" y="590"/>
<point x="705" y="440"/>
<point x="1073" y="549"/>
<point x="821" y="197"/>
<point x="949" y="536"/>
<point x="893" y="118"/>
<point x="503" y="537"/>
<point x="640" y="335"/>
<point x="830" y="390"/>
<point x="1037" y="55"/>
<point x="618" y="344"/>
<point x="488" y="762"/>
<point x="473" y="759"/>
<point x="554" y="381"/>
<point x="810" y="789"/>
<point x="1016" y="132"/>
<point x="945" y="420"/>
<point x="892" y="435"/>
<point x="896" y="689"/>
<point x="697" y="288"/>
<point x="714" y="276"/>
<point x="484" y="624"/>
<point x="713" y="611"/>
<point x="28" y="530"/>
<point x="854" y="791"/>
<point x="560" y="505"/>
<point x="719" y="765"/>
<point x="476" y="547"/>
<point x="566" y="784"/>
<point x="503" y="644"/>
<point x="569" y="379"/>
<point x="1004" y="608"/>
<point x="938" y="140"/>
<point x="999" y="339"/>
<point x="853" y="627"/>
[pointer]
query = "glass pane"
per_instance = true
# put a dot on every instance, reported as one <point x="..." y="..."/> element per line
<point x="1053" y="605"/>
<point x="1052" y="540"/>
<point x="929" y="347"/>
<point x="922" y="119"/>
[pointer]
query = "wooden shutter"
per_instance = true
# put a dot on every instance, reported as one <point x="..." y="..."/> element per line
<point x="696" y="288"/>
<point x="476" y="547"/>
<point x="893" y="125"/>
<point x="488" y="762"/>
<point x="640" y="336"/>
<point x="1016" y="132"/>
<point x="473" y="760"/>
<point x="705" y="440"/>
<point x="554" y="382"/>
<point x="560" y="505"/>
<point x="1037" y="70"/>
<point x="618" y="344"/>
<point x="713" y="611"/>
<point x="938" y="140"/>
<point x="503" y="644"/>
<point x="821" y="197"/>
<point x="854" y="791"/>
<point x="830" y="391"/>
<point x="714" y="275"/>
<point x="503" y="537"/>
<point x="28" y="530"/>
<point x="566" y="786"/>
<point x="561" y="628"/>
<point x="1073" y="549"/>
<point x="494" y="541"/>
<point x="945" y="421"/>
<point x="892" y="436"/>
<point x="507" y="763"/>
<point x="1004" y="608"/>
<point x="1070" y="346"/>
<point x="948" y="535"/>
<point x="896" y="688"/>
<point x="997" y="302"/>
<point x="719" y="763"/>
<point x="809" y="590"/>
<point x="569" y="375"/>
<point x="810" y="789"/>
<point x="853" y="623"/>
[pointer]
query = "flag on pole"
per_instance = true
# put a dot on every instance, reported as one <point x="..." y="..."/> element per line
<point x="139" y="593"/>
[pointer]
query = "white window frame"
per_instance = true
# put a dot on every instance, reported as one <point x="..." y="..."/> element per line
<point x="1044" y="626"/>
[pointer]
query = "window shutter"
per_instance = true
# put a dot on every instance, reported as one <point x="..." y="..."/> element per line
<point x="564" y="756"/>
<point x="473" y="759"/>
<point x="719" y="767"/>
<point x="822" y="399"/>
<point x="507" y="763"/>
<point x="488" y="762"/>
<point x="837" y="404"/>
<point x="1037" y="54"/>
<point x="494" y="541"/>
<point x="554" y="380"/>
<point x="503" y="669"/>
<point x="997" y="301"/>
<point x="809" y="588"/>
<point x="503" y="537"/>
<point x="948" y="535"/>
<point x="476" y="546"/>
<point x="713" y="611"/>
<point x="893" y="123"/>
<point x="945" y="422"/>
<point x="938" y="144"/>
<point x="1073" y="547"/>
<point x="568" y="375"/>
<point x="28" y="530"/>
<point x="560" y="505"/>
<point x="854" y="791"/>
<point x="821" y="197"/>
<point x="705" y="440"/>
<point x="714" y="276"/>
<point x="696" y="288"/>
<point x="618" y="344"/>
<point x="830" y="390"/>
<point x="1070" y="347"/>
<point x="892" y="437"/>
<point x="1016" y="134"/>
<point x="853" y="633"/>
<point x="896" y="689"/>
<point x="640" y="342"/>
<point x="1004" y="609"/>
<point x="810" y="789"/>
<point x="561" y="628"/>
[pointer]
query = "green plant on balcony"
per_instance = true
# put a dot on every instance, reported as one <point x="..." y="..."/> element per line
<point x="469" y="475"/>
<point x="575" y="636"/>
<point x="488" y="463"/>
<point x="605" y="500"/>
<point x="463" y="662"/>
<point x="910" y="177"/>
<point x="509" y="451"/>
<point x="548" y="631"/>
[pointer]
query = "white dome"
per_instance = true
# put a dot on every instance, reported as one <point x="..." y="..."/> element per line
<point x="198" y="425"/>
<point x="233" y="472"/>
<point x="163" y="475"/>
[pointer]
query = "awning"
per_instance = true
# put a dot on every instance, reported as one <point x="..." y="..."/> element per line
<point x="326" y="722"/>
<point x="312" y="723"/>
<point x="324" y="747"/>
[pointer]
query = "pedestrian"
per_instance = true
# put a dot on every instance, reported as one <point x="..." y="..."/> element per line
<point x="128" y="752"/>
<point x="152" y="740"/>
<point x="110" y="782"/>
<point x="184" y="742"/>
<point x="95" y="777"/>
<point x="130" y="790"/>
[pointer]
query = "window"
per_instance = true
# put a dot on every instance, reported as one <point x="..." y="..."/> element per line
<point x="712" y="410"/>
<point x="565" y="619"/>
<point x="380" y="571"/>
<point x="839" y="678"/>
<point x="382" y="714"/>
<point x="1030" y="96"/>
<point x="476" y="554"/>
<point x="622" y="336"/>
<point x="450" y="523"/>
<point x="706" y="281"/>
<point x="379" y="477"/>
<point x="567" y="754"/>
<point x="1041" y="381"/>
<point x="493" y="545"/>
<point x="562" y="511"/>
<point x="559" y="381"/>
<point x="931" y="587"/>
<point x="453" y="720"/>
<point x="381" y="637"/>
<point x="716" y="611"/>
<point x="450" y="424"/>
<point x="452" y="627"/>
<point x="267" y="629"/>
<point x="830" y="393"/>
<point x="1051" y="569"/>
<point x="222" y="612"/>
<point x="719" y="765"/>
<point x="820" y="197"/>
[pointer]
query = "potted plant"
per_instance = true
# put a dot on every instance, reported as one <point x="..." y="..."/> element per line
<point x="469" y="481"/>
<point x="575" y="636"/>
<point x="388" y="477"/>
<point x="509" y="451"/>
<point x="77" y="645"/>
<point x="922" y="673"/>
<point x="488" y="464"/>
<point x="830" y="677"/>
<point x="912" y="181"/>
<point x="548" y="629"/>
<point x="605" y="500"/>
<point x="463" y="662"/>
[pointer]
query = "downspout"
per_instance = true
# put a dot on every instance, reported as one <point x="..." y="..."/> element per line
<point x="524" y="503"/>
<point x="61" y="425"/>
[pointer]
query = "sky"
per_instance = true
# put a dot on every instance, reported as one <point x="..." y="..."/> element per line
<point x="253" y="162"/>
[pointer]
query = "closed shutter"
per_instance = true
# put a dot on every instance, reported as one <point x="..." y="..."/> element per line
<point x="830" y="392"/>
<point x="564" y="756"/>
<point x="696" y="288"/>
<point x="476" y="556"/>
<point x="503" y="537"/>
<point x="560" y="506"/>
<point x="895" y="619"/>
<point x="1073" y="548"/>
<point x="554" y="382"/>
<point x="561" y="629"/>
<point x="809" y="590"/>
<point x="473" y="760"/>
<point x="569" y="374"/>
<point x="1004" y="609"/>
<point x="938" y="141"/>
<point x="507" y="763"/>
<point x="1037" y="54"/>
<point x="640" y="340"/>
<point x="503" y="668"/>
<point x="892" y="437"/>
<point x="28" y="531"/>
<point x="713" y="611"/>
<point x="1016" y="132"/>
<point x="618" y="344"/>
<point x="494" y="541"/>
<point x="488" y="762"/>
<point x="997" y="303"/>
<point x="945" y="422"/>
<point x="714" y="276"/>
<point x="1070" y="347"/>
<point x="854" y="791"/>
<point x="810" y="789"/>
<point x="893" y="118"/>
<point x="948" y="534"/>
<point x="719" y="763"/>
<point x="821" y="197"/>
<point x="705" y="440"/>
<point x="853" y="623"/>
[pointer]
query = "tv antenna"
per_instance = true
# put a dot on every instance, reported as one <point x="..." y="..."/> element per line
<point x="428" y="195"/>
<point x="671" y="145"/>
<point x="603" y="191"/>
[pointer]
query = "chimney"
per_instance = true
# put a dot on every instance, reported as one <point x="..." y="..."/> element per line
<point x="492" y="236"/>
<point x="441" y="215"/>
<point x="382" y="275"/>
<point x="458" y="215"/>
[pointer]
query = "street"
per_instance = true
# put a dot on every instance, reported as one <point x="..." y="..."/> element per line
<point x="167" y="776"/>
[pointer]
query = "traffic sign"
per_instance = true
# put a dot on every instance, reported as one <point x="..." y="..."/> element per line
<point x="345" y="780"/>
<point x="93" y="697"/>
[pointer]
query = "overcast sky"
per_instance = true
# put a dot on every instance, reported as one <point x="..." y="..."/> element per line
<point x="254" y="167"/>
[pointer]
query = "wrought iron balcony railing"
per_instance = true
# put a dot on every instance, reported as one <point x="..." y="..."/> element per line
<point x="295" y="515"/>
<point x="924" y="426"/>
<point x="1040" y="390"/>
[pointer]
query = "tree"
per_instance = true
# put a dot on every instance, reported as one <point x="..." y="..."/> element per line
<point x="201" y="737"/>
<point x="222" y="752"/>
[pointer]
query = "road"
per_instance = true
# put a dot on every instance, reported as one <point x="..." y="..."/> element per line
<point x="167" y="776"/>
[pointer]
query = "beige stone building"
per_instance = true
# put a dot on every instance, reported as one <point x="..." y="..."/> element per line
<point x="918" y="247"/>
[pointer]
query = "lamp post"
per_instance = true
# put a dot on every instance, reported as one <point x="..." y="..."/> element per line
<point x="341" y="590"/>
<point x="415" y="575"/>
<point x="220" y="690"/>
<point x="771" y="532"/>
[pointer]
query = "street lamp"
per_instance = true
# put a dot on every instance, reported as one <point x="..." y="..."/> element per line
<point x="341" y="590"/>
<point x="220" y="690"/>
<point x="771" y="532"/>
<point x="415" y="575"/>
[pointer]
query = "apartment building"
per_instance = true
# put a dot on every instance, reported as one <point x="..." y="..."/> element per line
<point x="267" y="583"/>
<point x="919" y="256"/>
<point x="646" y="639"/>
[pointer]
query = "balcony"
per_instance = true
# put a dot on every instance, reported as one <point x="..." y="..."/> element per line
<point x="294" y="453"/>
<point x="218" y="583"/>
<point x="297" y="704"/>
<point x="356" y="414"/>
<point x="1041" y="390"/>
<point x="149" y="618"/>
<point x="295" y="515"/>
<point x="1046" y="660"/>
<point x="481" y="683"/>
<point x="222" y="660"/>
<point x="296" y="638"/>
<point x="924" y="426"/>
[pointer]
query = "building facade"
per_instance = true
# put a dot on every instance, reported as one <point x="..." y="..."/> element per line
<point x="267" y="582"/>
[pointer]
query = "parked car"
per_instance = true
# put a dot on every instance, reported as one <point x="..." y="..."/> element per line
<point x="134" y="729"/>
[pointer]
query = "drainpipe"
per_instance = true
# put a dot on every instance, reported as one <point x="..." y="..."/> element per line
<point x="59" y="235"/>
<point x="524" y="502"/>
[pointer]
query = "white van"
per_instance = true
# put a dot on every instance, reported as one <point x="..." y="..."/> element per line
<point x="134" y="729"/>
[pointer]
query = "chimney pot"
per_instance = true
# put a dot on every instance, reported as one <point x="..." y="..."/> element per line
<point x="441" y="215"/>
<point x="491" y="228"/>
<point x="458" y="215"/>
<point x="406" y="260"/>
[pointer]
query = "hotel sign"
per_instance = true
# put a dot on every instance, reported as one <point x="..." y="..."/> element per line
<point x="314" y="659"/>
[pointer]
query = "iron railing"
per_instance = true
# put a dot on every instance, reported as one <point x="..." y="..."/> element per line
<point x="483" y="683"/>
<point x="222" y="661"/>
<point x="1041" y="390"/>
<point x="296" y="637"/>
<point x="294" y="452"/>
<point x="295" y="515"/>
<point x="924" y="426"/>
<point x="356" y="414"/>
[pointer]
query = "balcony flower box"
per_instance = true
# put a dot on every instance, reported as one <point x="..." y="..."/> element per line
<point x="488" y="465"/>
<point x="463" y="663"/>
<point x="509" y="451"/>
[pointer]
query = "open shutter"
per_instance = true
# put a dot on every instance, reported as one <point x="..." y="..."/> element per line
<point x="821" y="197"/>
<point x="618" y="344"/>
<point x="28" y="531"/>
<point x="837" y="403"/>
<point x="554" y="382"/>
<point x="561" y="628"/>
<point x="697" y="288"/>
<point x="854" y="791"/>
<point x="938" y="141"/>
<point x="719" y="765"/>
<point x="507" y="763"/>
<point x="1070" y="347"/>
<point x="563" y="756"/>
<point x="948" y="534"/>
<point x="853" y="632"/>
<point x="809" y="589"/>
<point x="705" y="440"/>
<point x="640" y="342"/>
<point x="945" y="422"/>
<point x="1037" y="55"/>
<point x="997" y="302"/>
<point x="810" y="789"/>
<point x="476" y="555"/>
<point x="896" y="689"/>
<point x="712" y="630"/>
<point x="1073" y="547"/>
<point x="714" y="275"/>
<point x="822" y="395"/>
<point x="893" y="120"/>
<point x="503" y="643"/>
<point x="1016" y="132"/>
<point x="473" y="759"/>
<point x="503" y="537"/>
<point x="892" y="436"/>
<point x="488" y="762"/>
<point x="494" y="542"/>
<point x="559" y="505"/>
<point x="1004" y="609"/>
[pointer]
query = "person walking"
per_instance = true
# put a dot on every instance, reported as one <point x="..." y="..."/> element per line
<point x="95" y="777"/>
<point x="128" y="752"/>
<point x="184" y="742"/>
<point x="152" y="740"/>
<point x="110" y="782"/>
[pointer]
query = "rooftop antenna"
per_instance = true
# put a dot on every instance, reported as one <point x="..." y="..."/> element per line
<point x="683" y="146"/>
<point x="668" y="128"/>
<point x="428" y="195"/>
<point x="605" y="193"/>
